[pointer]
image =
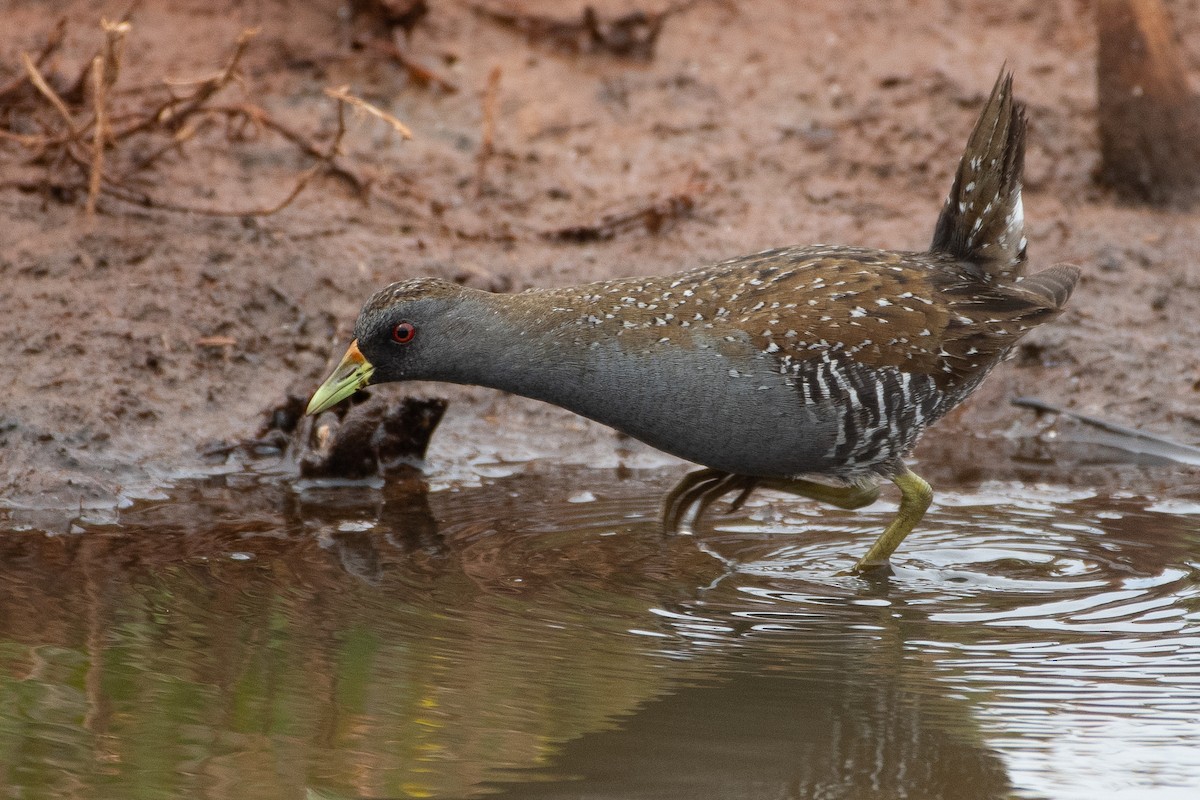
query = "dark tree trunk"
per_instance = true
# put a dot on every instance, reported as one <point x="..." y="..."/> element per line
<point x="1149" y="118"/>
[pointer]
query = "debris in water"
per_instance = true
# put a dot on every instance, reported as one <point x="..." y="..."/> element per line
<point x="371" y="438"/>
<point x="366" y="436"/>
<point x="1131" y="440"/>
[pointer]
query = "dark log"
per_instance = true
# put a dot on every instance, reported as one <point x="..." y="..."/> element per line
<point x="1149" y="118"/>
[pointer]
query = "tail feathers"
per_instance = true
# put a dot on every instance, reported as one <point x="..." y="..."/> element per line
<point x="1054" y="284"/>
<point x="983" y="222"/>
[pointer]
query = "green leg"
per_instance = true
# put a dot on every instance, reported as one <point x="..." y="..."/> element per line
<point x="700" y="489"/>
<point x="915" y="496"/>
<point x="847" y="497"/>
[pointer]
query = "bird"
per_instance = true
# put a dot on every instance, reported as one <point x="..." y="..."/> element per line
<point x="811" y="370"/>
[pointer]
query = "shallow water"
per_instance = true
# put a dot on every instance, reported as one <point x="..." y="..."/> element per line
<point x="539" y="638"/>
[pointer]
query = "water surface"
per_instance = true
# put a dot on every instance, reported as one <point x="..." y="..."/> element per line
<point x="539" y="638"/>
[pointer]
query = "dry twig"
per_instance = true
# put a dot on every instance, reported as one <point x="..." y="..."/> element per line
<point x="652" y="218"/>
<point x="487" y="139"/>
<point x="105" y="68"/>
<point x="39" y="82"/>
<point x="420" y="73"/>
<point x="91" y="146"/>
<point x="53" y="41"/>
<point x="342" y="94"/>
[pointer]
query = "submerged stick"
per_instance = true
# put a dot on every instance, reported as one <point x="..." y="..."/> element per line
<point x="1129" y="439"/>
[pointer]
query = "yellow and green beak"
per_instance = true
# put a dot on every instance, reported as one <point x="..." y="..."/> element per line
<point x="352" y="374"/>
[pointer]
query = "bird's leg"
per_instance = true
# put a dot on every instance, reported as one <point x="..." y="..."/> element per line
<point x="741" y="499"/>
<point x="915" y="496"/>
<point x="729" y="483"/>
<point x="684" y="494"/>
<point x="699" y="490"/>
<point x="847" y="497"/>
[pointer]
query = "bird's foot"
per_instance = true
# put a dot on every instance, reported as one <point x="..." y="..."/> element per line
<point x="915" y="497"/>
<point x="686" y="503"/>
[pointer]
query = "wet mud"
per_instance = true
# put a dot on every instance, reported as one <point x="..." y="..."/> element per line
<point x="143" y="338"/>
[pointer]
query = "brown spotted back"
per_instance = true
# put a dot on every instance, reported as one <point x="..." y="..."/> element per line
<point x="919" y="312"/>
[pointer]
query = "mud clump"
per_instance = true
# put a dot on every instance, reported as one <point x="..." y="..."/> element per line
<point x="373" y="437"/>
<point x="362" y="438"/>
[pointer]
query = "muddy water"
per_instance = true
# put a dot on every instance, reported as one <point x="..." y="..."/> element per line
<point x="539" y="638"/>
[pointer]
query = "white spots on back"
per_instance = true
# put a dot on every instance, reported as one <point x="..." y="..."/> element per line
<point x="793" y="317"/>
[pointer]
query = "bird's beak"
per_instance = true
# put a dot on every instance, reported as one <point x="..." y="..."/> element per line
<point x="351" y="375"/>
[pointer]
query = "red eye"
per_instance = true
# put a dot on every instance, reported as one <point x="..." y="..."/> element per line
<point x="404" y="332"/>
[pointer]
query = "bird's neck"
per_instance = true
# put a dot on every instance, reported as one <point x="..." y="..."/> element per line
<point x="525" y="344"/>
<point x="549" y="346"/>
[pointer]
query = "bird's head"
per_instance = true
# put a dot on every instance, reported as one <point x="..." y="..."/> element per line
<point x="402" y="333"/>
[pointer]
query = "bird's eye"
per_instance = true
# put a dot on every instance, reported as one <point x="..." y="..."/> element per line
<point x="404" y="332"/>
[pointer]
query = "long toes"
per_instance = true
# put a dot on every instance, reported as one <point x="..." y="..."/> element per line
<point x="672" y="508"/>
<point x="686" y="494"/>
<point x="686" y="503"/>
<point x="713" y="493"/>
<point x="747" y="490"/>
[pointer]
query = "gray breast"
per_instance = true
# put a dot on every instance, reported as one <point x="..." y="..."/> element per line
<point x="734" y="408"/>
<point x="693" y="402"/>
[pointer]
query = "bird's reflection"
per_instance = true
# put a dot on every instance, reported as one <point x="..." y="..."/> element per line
<point x="505" y="640"/>
<point x="404" y="523"/>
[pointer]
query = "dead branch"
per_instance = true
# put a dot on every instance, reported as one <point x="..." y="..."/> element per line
<point x="173" y="113"/>
<point x="102" y="145"/>
<point x="420" y="73"/>
<point x="260" y="117"/>
<point x="487" y="139"/>
<point x="97" y="171"/>
<point x="652" y="218"/>
<point x="105" y="68"/>
<point x="302" y="182"/>
<point x="1120" y="436"/>
<point x="342" y="94"/>
<point x="53" y="42"/>
<point x="35" y="77"/>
